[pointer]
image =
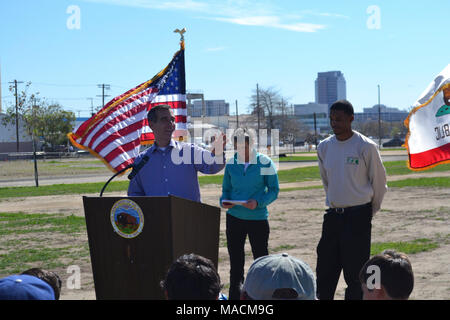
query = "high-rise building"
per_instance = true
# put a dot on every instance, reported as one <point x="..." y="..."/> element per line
<point x="330" y="87"/>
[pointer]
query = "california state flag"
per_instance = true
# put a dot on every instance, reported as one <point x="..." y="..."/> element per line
<point x="428" y="138"/>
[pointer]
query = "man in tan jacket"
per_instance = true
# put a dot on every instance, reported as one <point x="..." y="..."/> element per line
<point x="354" y="180"/>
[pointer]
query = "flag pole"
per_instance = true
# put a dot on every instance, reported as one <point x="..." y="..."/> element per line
<point x="379" y="119"/>
<point x="181" y="32"/>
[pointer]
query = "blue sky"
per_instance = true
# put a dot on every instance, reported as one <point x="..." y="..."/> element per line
<point x="230" y="47"/>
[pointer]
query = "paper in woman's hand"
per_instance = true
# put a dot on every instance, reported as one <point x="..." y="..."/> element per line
<point x="238" y="202"/>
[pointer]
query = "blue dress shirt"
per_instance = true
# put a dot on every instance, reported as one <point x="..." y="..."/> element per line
<point x="173" y="171"/>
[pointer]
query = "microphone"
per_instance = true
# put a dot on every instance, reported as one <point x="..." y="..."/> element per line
<point x="137" y="168"/>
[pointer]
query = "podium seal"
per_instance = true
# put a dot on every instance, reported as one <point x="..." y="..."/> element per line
<point x="127" y="218"/>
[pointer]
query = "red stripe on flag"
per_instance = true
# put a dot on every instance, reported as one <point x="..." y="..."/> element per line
<point x="117" y="135"/>
<point x="181" y="119"/>
<point x="147" y="90"/>
<point x="124" y="164"/>
<point x="122" y="95"/>
<point x="121" y="149"/>
<point x="85" y="130"/>
<point x="148" y="136"/>
<point x="116" y="120"/>
<point x="172" y="104"/>
<point x="129" y="113"/>
<point x="85" y="126"/>
<point x="430" y="157"/>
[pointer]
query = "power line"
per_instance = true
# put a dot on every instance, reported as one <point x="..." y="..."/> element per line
<point x="73" y="85"/>
<point x="62" y="85"/>
<point x="50" y="98"/>
<point x="69" y="85"/>
<point x="66" y="98"/>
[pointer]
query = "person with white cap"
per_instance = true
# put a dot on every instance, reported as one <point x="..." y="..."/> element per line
<point x="279" y="277"/>
<point x="25" y="287"/>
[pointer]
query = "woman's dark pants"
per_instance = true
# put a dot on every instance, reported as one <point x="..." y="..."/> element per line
<point x="237" y="231"/>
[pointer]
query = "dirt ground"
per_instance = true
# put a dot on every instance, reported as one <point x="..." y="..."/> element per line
<point x="296" y="221"/>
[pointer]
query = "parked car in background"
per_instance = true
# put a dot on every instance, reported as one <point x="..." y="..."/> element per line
<point x="395" y="142"/>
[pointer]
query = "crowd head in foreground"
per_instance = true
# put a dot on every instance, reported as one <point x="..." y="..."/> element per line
<point x="32" y="284"/>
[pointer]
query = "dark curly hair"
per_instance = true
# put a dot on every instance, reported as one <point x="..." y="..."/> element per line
<point x="48" y="276"/>
<point x="396" y="276"/>
<point x="192" y="277"/>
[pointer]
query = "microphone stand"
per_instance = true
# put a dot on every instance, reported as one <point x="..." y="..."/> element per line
<point x="115" y="175"/>
<point x="136" y="169"/>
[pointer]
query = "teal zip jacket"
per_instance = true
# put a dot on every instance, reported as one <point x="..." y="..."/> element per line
<point x="259" y="182"/>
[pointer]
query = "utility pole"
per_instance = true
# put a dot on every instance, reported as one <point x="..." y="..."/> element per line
<point x="36" y="177"/>
<point x="92" y="105"/>
<point x="237" y="115"/>
<point x="15" y="82"/>
<point x="0" y="88"/>
<point x="315" y="130"/>
<point x="257" y="108"/>
<point x="379" y="119"/>
<point x="103" y="95"/>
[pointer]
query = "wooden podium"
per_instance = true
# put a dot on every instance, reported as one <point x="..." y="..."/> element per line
<point x="134" y="240"/>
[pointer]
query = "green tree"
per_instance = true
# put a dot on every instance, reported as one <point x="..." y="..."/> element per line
<point x="41" y="120"/>
<point x="25" y="103"/>
<point x="54" y="123"/>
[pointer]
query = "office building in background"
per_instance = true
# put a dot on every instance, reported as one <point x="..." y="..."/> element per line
<point x="330" y="87"/>
<point x="305" y="114"/>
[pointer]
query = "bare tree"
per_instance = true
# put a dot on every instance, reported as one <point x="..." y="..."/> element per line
<point x="370" y="128"/>
<point x="270" y="103"/>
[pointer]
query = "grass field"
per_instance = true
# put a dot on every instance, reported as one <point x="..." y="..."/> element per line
<point x="298" y="158"/>
<point x="284" y="176"/>
<point x="54" y="241"/>
<point x="408" y="247"/>
<point x="25" y="237"/>
<point x="89" y="165"/>
<point x="25" y="168"/>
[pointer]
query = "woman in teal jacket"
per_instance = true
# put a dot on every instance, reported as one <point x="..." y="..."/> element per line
<point x="251" y="179"/>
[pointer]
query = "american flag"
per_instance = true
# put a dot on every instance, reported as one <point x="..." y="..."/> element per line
<point x="114" y="134"/>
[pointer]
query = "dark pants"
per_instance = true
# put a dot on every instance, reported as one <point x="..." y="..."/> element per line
<point x="237" y="231"/>
<point x="344" y="245"/>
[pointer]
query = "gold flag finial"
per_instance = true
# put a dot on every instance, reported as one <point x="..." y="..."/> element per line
<point x="181" y="32"/>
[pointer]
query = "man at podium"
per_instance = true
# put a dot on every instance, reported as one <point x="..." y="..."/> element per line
<point x="170" y="167"/>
